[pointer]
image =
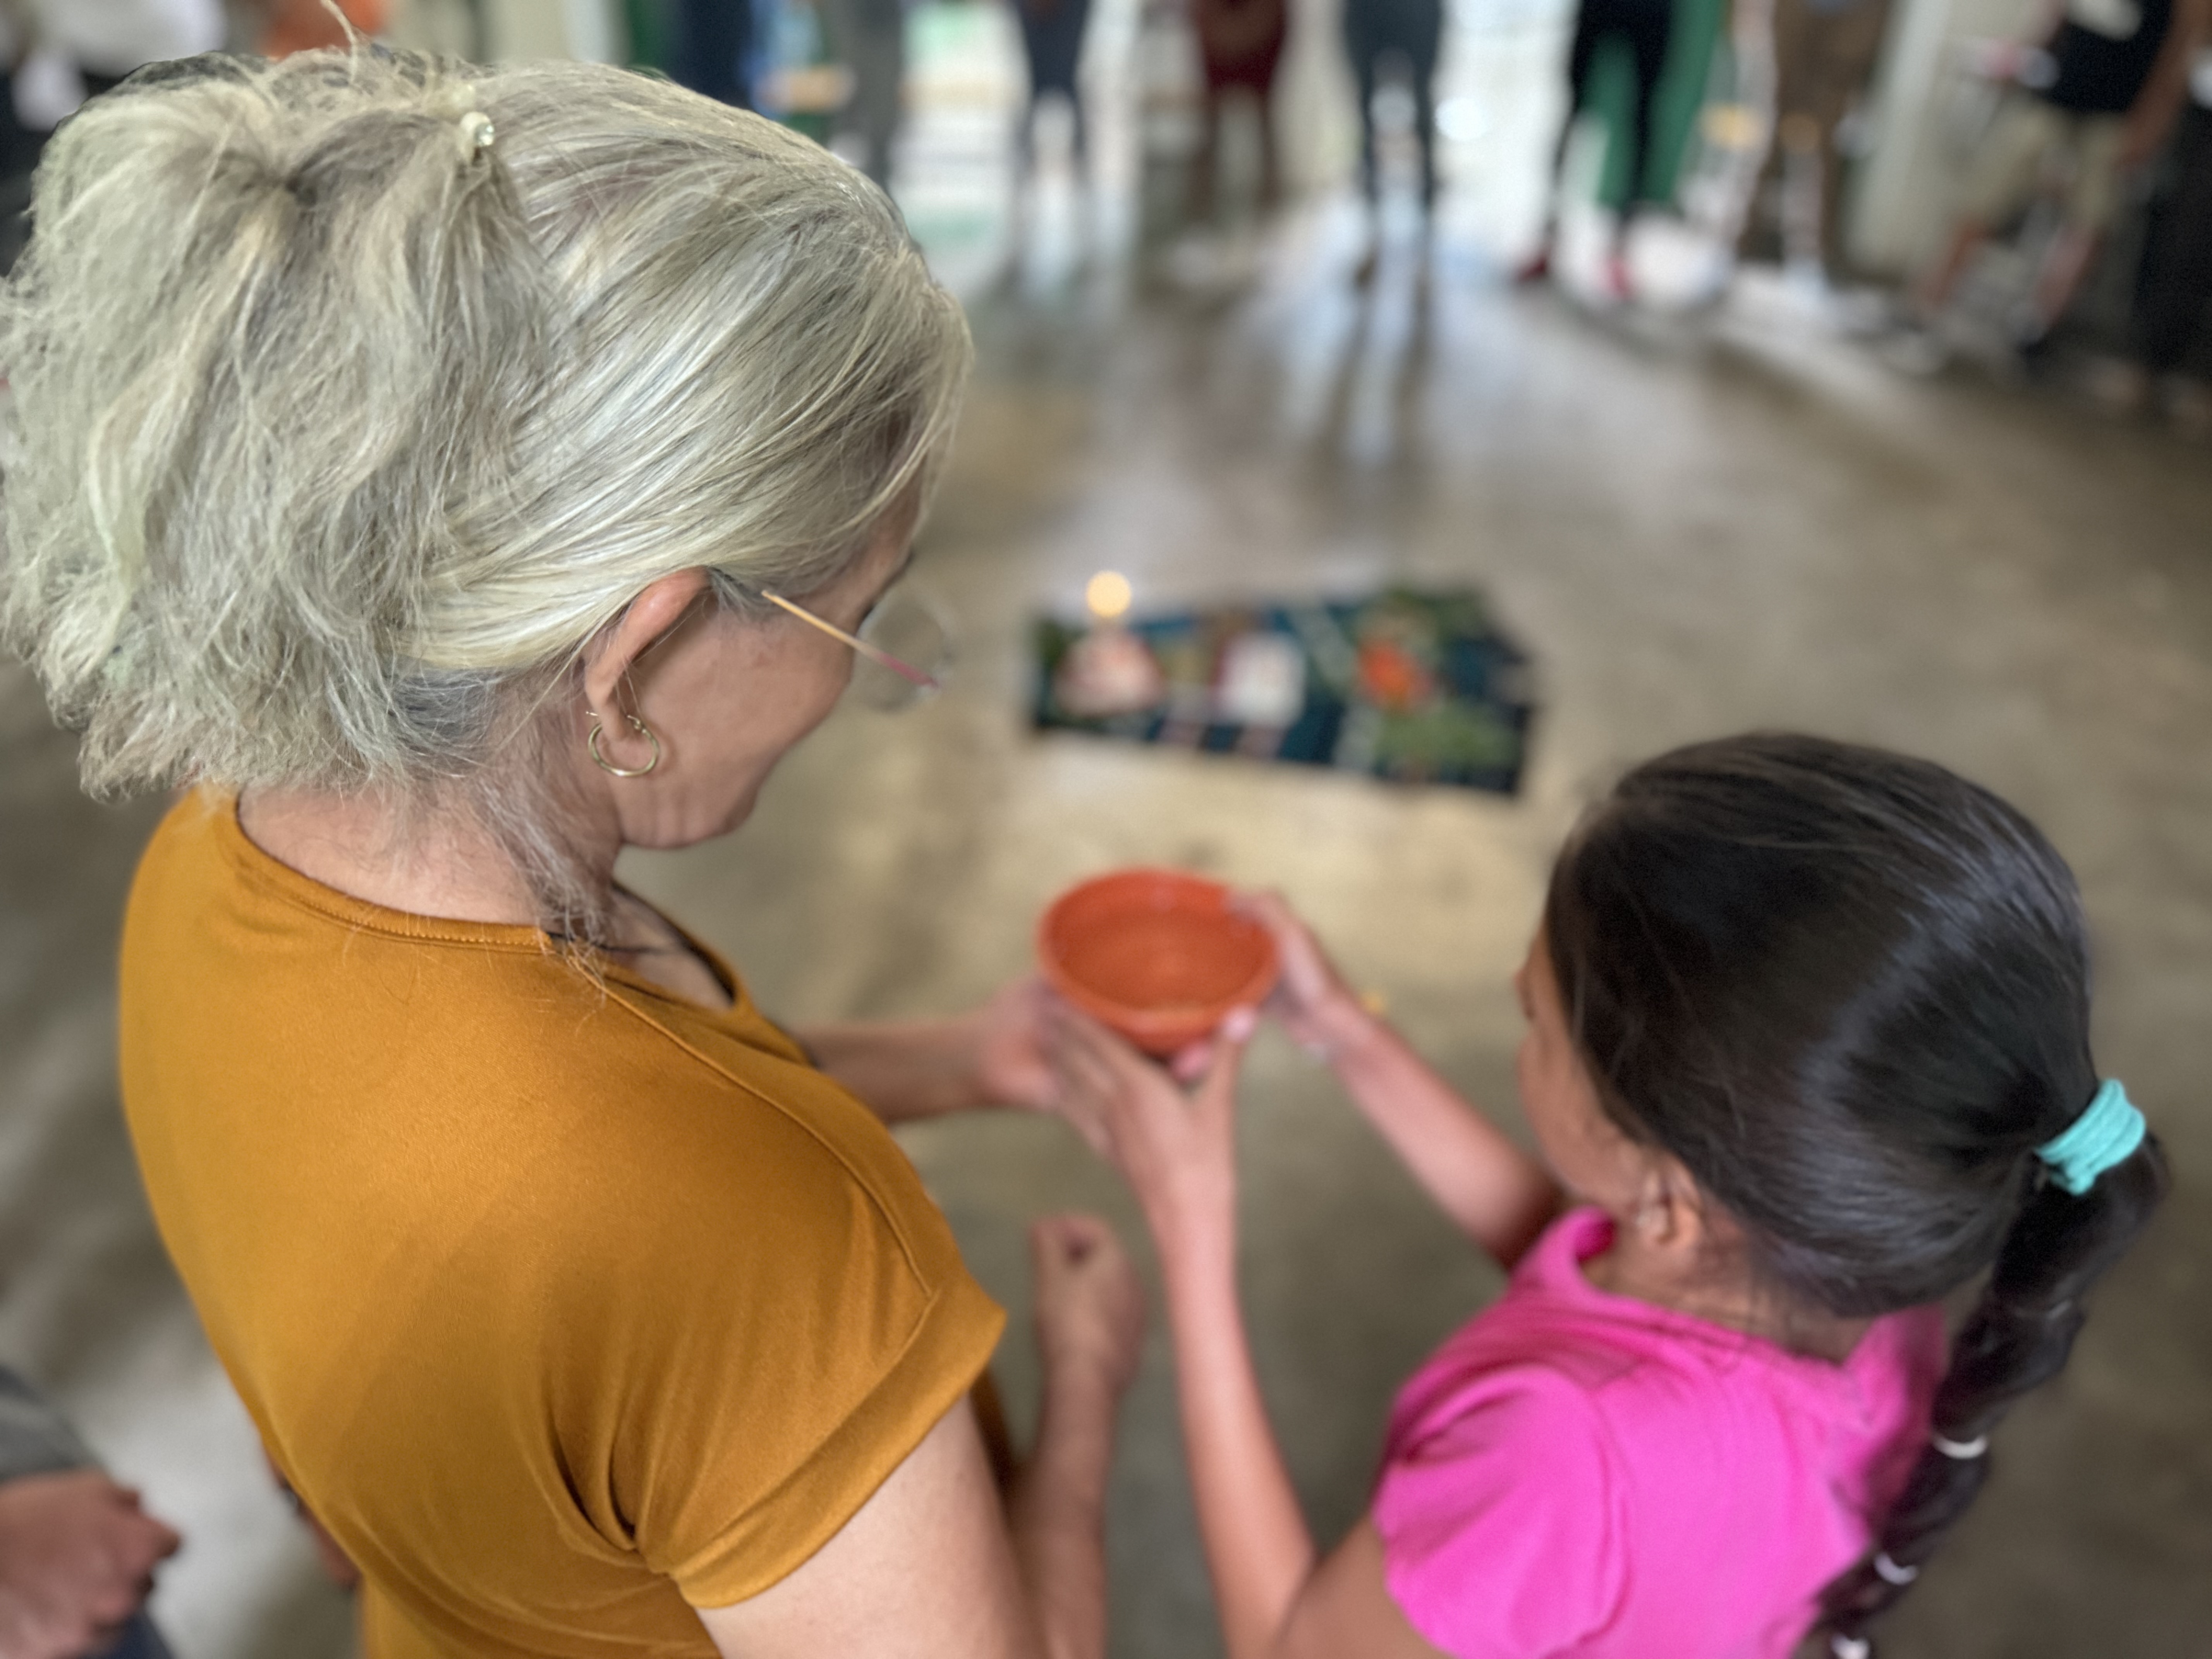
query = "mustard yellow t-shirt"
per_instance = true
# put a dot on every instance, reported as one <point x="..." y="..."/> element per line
<point x="566" y="1307"/>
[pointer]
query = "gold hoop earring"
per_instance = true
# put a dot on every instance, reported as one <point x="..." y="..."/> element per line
<point x="591" y="743"/>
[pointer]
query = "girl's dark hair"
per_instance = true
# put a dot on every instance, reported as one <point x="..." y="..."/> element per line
<point x="1850" y="992"/>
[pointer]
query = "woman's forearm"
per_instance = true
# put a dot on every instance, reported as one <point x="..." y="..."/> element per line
<point x="1258" y="1547"/>
<point x="1056" y="1510"/>
<point x="1494" y="1192"/>
<point x="902" y="1069"/>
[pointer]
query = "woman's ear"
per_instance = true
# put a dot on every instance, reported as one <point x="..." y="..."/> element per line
<point x="647" y="620"/>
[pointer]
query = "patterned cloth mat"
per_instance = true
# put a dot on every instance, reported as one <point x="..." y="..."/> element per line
<point x="1413" y="686"/>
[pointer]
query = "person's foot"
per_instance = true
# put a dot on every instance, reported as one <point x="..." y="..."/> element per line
<point x="1536" y="268"/>
<point x="1918" y="346"/>
<point x="2186" y="404"/>
<point x="2118" y="387"/>
<point x="1619" y="285"/>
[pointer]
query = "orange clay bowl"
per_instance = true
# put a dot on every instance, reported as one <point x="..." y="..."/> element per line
<point x="1157" y="955"/>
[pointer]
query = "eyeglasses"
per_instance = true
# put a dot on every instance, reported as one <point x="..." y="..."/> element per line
<point x="905" y="646"/>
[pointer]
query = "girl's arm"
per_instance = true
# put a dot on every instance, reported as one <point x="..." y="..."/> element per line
<point x="1277" y="1599"/>
<point x="1498" y="1196"/>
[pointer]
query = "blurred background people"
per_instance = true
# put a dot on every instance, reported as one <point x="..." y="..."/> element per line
<point x="1825" y="52"/>
<point x="869" y="36"/>
<point x="77" y="1553"/>
<point x="59" y="53"/>
<point x="2173" y="288"/>
<point x="1645" y="27"/>
<point x="1240" y="43"/>
<point x="1400" y="40"/>
<point x="1052" y="43"/>
<point x="712" y="50"/>
<point x="2083" y="112"/>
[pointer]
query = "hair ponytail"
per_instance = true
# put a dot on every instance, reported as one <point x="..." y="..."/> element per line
<point x="2017" y="1338"/>
<point x="263" y="311"/>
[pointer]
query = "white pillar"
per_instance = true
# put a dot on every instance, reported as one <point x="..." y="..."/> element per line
<point x="1906" y="186"/>
<point x="554" y="29"/>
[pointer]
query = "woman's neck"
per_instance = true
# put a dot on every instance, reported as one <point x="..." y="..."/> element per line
<point x="426" y="859"/>
<point x="1726" y="1294"/>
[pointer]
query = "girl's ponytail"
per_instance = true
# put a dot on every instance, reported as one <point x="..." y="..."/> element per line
<point x="2017" y="1338"/>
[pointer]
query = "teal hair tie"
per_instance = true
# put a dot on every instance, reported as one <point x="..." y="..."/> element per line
<point x="2105" y="1134"/>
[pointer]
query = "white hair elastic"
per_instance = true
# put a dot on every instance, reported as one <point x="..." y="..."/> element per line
<point x="1894" y="1572"/>
<point x="1963" y="1451"/>
<point x="476" y="132"/>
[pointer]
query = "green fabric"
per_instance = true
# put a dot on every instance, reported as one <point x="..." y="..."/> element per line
<point x="651" y="31"/>
<point x="1698" y="29"/>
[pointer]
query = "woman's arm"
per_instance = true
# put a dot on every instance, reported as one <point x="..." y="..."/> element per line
<point x="927" y="1067"/>
<point x="934" y="1566"/>
<point x="1276" y="1598"/>
<point x="925" y="1568"/>
<point x="1497" y="1194"/>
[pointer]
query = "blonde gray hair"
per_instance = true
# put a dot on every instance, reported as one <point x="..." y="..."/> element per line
<point x="353" y="394"/>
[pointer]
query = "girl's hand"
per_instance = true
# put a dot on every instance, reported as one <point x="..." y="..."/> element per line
<point x="1177" y="1152"/>
<point x="1322" y="1014"/>
<point x="1090" y="1306"/>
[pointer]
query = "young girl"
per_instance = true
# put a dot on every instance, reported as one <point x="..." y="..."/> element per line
<point x="1808" y="1043"/>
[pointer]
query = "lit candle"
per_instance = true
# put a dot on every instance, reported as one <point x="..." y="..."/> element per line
<point x="1108" y="595"/>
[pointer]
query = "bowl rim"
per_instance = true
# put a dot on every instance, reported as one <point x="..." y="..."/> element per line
<point x="1184" y="1023"/>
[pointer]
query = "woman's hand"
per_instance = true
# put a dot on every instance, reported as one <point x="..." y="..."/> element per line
<point x="1090" y="1305"/>
<point x="1177" y="1152"/>
<point x="1010" y="1062"/>
<point x="992" y="1055"/>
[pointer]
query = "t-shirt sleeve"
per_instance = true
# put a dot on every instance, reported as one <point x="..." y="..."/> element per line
<point x="1499" y="1520"/>
<point x="805" y="1320"/>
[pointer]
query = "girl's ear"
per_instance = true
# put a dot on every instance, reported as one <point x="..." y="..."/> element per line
<point x="1672" y="1215"/>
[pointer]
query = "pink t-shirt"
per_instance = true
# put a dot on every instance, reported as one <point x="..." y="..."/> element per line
<point x="1577" y="1472"/>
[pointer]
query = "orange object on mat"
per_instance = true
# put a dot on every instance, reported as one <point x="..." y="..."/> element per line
<point x="1155" y="954"/>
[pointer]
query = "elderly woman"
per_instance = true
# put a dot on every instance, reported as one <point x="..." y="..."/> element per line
<point x="457" y="484"/>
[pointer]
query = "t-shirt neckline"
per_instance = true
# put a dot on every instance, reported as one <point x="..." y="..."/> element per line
<point x="259" y="864"/>
<point x="1585" y="1231"/>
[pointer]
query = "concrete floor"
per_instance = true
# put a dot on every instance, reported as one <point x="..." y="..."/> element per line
<point x="1692" y="529"/>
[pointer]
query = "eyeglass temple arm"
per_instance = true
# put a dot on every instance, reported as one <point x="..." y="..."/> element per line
<point x="875" y="654"/>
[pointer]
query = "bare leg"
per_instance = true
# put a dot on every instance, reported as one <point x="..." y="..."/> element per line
<point x="2062" y="272"/>
<point x="1205" y="164"/>
<point x="1580" y="55"/>
<point x="1933" y="292"/>
<point x="1271" y="161"/>
<point x="1424" y="123"/>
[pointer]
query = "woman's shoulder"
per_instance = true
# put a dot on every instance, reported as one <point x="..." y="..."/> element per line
<point x="723" y="1097"/>
<point x="410" y="1053"/>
